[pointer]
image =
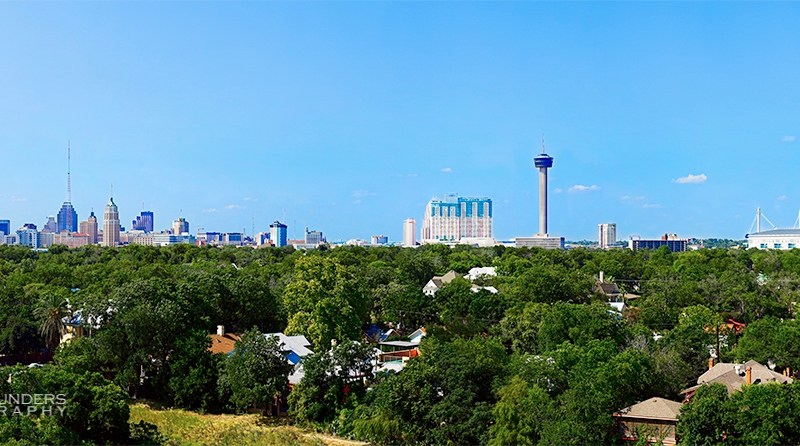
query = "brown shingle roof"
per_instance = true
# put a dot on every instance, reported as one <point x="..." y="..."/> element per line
<point x="654" y="409"/>
<point x="441" y="280"/>
<point x="725" y="373"/>
<point x="609" y="289"/>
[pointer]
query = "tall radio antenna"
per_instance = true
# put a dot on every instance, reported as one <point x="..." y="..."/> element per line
<point x="69" y="179"/>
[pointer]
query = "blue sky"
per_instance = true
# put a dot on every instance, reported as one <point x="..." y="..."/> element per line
<point x="349" y="117"/>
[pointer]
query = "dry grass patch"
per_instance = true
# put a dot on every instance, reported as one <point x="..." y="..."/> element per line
<point x="182" y="427"/>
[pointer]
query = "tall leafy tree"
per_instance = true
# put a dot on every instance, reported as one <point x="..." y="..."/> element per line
<point x="324" y="302"/>
<point x="705" y="420"/>
<point x="256" y="372"/>
<point x="332" y="380"/>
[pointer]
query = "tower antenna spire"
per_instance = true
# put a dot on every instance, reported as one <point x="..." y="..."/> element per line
<point x="69" y="169"/>
<point x="543" y="143"/>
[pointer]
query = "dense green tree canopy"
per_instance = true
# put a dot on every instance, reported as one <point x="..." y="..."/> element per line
<point x="541" y="361"/>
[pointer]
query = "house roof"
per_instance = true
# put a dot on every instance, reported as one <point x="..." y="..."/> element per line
<point x="223" y="344"/>
<point x="393" y="366"/>
<point x="481" y="271"/>
<point x="438" y="281"/>
<point x="227" y="343"/>
<point x="447" y="278"/>
<point x="654" y="409"/>
<point x="608" y="288"/>
<point x="298" y="344"/>
<point x="403" y="344"/>
<point x="725" y="373"/>
<point x="385" y="335"/>
<point x="476" y="288"/>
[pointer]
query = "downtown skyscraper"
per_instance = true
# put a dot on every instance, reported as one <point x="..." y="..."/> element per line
<point x="143" y="222"/>
<point x="111" y="224"/>
<point x="89" y="227"/>
<point x="606" y="234"/>
<point x="278" y="233"/>
<point x="455" y="218"/>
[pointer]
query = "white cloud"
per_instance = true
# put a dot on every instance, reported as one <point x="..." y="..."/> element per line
<point x="632" y="198"/>
<point x="447" y="169"/>
<point x="358" y="194"/>
<point x="651" y="206"/>
<point x="16" y="199"/>
<point x="234" y="207"/>
<point x="357" y="201"/>
<point x="692" y="179"/>
<point x="558" y="190"/>
<point x="210" y="210"/>
<point x="583" y="188"/>
<point x="250" y="199"/>
<point x="782" y="197"/>
<point x="789" y="138"/>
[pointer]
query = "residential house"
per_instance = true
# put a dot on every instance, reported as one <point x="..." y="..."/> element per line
<point x="609" y="290"/>
<point x="294" y="348"/>
<point x="734" y="376"/>
<point x="729" y="326"/>
<point x="393" y="351"/>
<point x="655" y="418"/>
<point x="437" y="282"/>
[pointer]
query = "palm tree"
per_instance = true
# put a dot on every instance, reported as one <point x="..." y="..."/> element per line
<point x="51" y="311"/>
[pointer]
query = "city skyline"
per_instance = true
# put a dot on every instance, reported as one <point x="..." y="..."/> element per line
<point x="349" y="117"/>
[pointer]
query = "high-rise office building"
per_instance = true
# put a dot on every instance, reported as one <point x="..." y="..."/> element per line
<point x="67" y="218"/>
<point x="671" y="241"/>
<point x="606" y="234"/>
<point x="454" y="218"/>
<point x="314" y="237"/>
<point x="51" y="225"/>
<point x="143" y="222"/>
<point x="180" y="226"/>
<point x="5" y="227"/>
<point x="111" y="224"/>
<point x="232" y="238"/>
<point x="278" y="233"/>
<point x="379" y="240"/>
<point x="89" y="227"/>
<point x="28" y="236"/>
<point x="410" y="233"/>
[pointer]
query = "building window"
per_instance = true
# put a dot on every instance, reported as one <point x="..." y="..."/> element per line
<point x="763" y="246"/>
<point x="792" y="246"/>
<point x="776" y="246"/>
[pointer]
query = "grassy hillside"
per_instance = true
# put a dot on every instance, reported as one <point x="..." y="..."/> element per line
<point x="182" y="427"/>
